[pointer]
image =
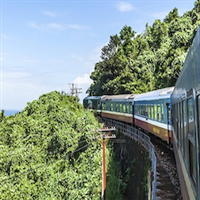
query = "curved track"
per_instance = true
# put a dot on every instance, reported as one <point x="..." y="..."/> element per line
<point x="168" y="186"/>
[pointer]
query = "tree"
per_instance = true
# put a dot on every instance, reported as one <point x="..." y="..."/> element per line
<point x="172" y="15"/>
<point x="152" y="60"/>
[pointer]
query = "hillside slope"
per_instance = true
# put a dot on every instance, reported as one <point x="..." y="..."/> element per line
<point x="46" y="152"/>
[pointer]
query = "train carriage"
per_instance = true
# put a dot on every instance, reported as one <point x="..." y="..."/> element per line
<point x="118" y="107"/>
<point x="186" y="122"/>
<point x="153" y="112"/>
<point x="93" y="102"/>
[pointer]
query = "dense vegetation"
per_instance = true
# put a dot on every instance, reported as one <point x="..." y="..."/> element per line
<point x="46" y="152"/>
<point x="132" y="63"/>
<point x="131" y="168"/>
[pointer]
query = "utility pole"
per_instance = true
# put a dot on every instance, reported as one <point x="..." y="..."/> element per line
<point x="78" y="91"/>
<point x="72" y="88"/>
<point x="75" y="90"/>
<point x="104" y="141"/>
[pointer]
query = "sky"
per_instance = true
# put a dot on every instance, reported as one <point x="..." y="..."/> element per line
<point x="45" y="45"/>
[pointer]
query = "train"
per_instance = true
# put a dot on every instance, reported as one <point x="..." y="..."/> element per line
<point x="171" y="114"/>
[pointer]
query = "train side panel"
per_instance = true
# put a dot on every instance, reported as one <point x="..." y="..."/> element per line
<point x="124" y="117"/>
<point x="186" y="118"/>
<point x="118" y="107"/>
<point x="153" y="113"/>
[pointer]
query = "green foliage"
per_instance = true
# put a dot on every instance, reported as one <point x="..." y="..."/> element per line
<point x="152" y="60"/>
<point x="113" y="181"/>
<point x="37" y="145"/>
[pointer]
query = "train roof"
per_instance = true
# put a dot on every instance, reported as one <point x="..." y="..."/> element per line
<point x="120" y="97"/>
<point x="156" y="94"/>
<point x="92" y="97"/>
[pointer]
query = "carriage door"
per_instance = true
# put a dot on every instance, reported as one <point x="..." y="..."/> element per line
<point x="191" y="138"/>
<point x="168" y="122"/>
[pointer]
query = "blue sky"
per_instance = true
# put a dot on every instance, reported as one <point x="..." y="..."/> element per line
<point x="47" y="44"/>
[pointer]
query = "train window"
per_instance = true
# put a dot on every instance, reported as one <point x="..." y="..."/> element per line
<point x="177" y="129"/>
<point x="131" y="109"/>
<point x="162" y="112"/>
<point x="143" y="110"/>
<point x="111" y="107"/>
<point x="158" y="113"/>
<point x="191" y="117"/>
<point x="181" y="126"/>
<point x="185" y="133"/>
<point x="103" y="106"/>
<point x="191" y="137"/>
<point x="155" y="112"/>
<point x="124" y="108"/>
<point x="127" y="108"/>
<point x="116" y="107"/>
<point x="146" y="111"/>
<point x="120" y="107"/>
<point x="178" y="124"/>
<point x="138" y="109"/>
<point x="149" y="111"/>
<point x="152" y="112"/>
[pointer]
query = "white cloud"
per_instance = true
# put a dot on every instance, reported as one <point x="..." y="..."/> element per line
<point x="49" y="13"/>
<point x="49" y="26"/>
<point x="84" y="80"/>
<point x="56" y="26"/>
<point x="124" y="7"/>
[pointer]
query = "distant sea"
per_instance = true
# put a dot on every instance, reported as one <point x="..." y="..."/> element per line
<point x="10" y="112"/>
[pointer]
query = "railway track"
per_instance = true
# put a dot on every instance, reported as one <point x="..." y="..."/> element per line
<point x="168" y="186"/>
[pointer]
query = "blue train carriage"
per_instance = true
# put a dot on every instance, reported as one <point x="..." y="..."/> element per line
<point x="118" y="107"/>
<point x="186" y="122"/>
<point x="92" y="102"/>
<point x="153" y="113"/>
